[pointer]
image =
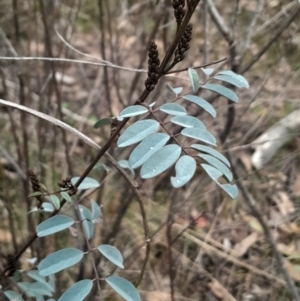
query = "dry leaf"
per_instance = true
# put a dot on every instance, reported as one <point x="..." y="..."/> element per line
<point x="284" y="203"/>
<point x="242" y="247"/>
<point x="217" y="289"/>
<point x="293" y="269"/>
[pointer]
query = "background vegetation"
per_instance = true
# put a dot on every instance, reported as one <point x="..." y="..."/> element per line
<point x="221" y="248"/>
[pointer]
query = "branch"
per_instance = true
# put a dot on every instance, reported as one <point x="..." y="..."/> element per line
<point x="251" y="203"/>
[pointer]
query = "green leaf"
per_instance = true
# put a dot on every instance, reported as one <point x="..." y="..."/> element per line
<point x="36" y="193"/>
<point x="212" y="172"/>
<point x="160" y="161"/>
<point x="54" y="224"/>
<point x="47" y="207"/>
<point x="230" y="80"/>
<point x="78" y="291"/>
<point x="223" y="91"/>
<point x="34" y="274"/>
<point x="240" y="81"/>
<point x="38" y="288"/>
<point x="218" y="164"/>
<point x="194" y="78"/>
<point x="175" y="90"/>
<point x="59" y="261"/>
<point x="13" y="296"/>
<point x="207" y="71"/>
<point x="25" y="287"/>
<point x="202" y="103"/>
<point x="87" y="183"/>
<point x="66" y="196"/>
<point x="147" y="148"/>
<point x="188" y="122"/>
<point x="125" y="165"/>
<point x="199" y="134"/>
<point x="133" y="111"/>
<point x="123" y="287"/>
<point x="185" y="170"/>
<point x="96" y="210"/>
<point x="231" y="190"/>
<point x="87" y="221"/>
<point x="137" y="132"/>
<point x="112" y="254"/>
<point x="173" y="109"/>
<point x="102" y="122"/>
<point x="211" y="151"/>
<point x="55" y="200"/>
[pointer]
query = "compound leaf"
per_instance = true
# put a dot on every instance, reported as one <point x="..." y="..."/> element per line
<point x="211" y="151"/>
<point x="212" y="172"/>
<point x="231" y="190"/>
<point x="55" y="200"/>
<point x="185" y="170"/>
<point x="160" y="161"/>
<point x="54" y="224"/>
<point x="240" y="80"/>
<point x="96" y="210"/>
<point x="78" y="291"/>
<point x="87" y="221"/>
<point x="199" y="134"/>
<point x="102" y="122"/>
<point x="175" y="90"/>
<point x="133" y="111"/>
<point x="125" y="164"/>
<point x="202" y="103"/>
<point x="147" y="148"/>
<point x="40" y="289"/>
<point x="66" y="196"/>
<point x="229" y="79"/>
<point x="13" y="296"/>
<point x="217" y="164"/>
<point x="59" y="261"/>
<point x="112" y="254"/>
<point x="188" y="122"/>
<point x="223" y="91"/>
<point x="87" y="183"/>
<point x="34" y="274"/>
<point x="173" y="109"/>
<point x="123" y="287"/>
<point x="137" y="132"/>
<point x="194" y="78"/>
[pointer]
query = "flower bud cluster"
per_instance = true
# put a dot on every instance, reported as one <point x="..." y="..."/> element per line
<point x="183" y="44"/>
<point x="35" y="183"/>
<point x="179" y="10"/>
<point x="153" y="66"/>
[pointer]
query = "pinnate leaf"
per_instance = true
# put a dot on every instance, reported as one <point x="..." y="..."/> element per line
<point x="123" y="287"/>
<point x="147" y="148"/>
<point x="188" y="122"/>
<point x="59" y="261"/>
<point x="160" y="161"/>
<point x="102" y="122"/>
<point x="87" y="183"/>
<point x="13" y="296"/>
<point x="173" y="109"/>
<point x="241" y="81"/>
<point x="194" y="78"/>
<point x="217" y="164"/>
<point x="112" y="254"/>
<point x="133" y="111"/>
<point x="223" y="91"/>
<point x="185" y="170"/>
<point x="212" y="152"/>
<point x="199" y="134"/>
<point x="78" y="291"/>
<point x="138" y="132"/>
<point x="202" y="103"/>
<point x="54" y="224"/>
<point x="55" y="200"/>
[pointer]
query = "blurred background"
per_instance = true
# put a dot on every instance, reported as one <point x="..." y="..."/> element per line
<point x="219" y="249"/>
